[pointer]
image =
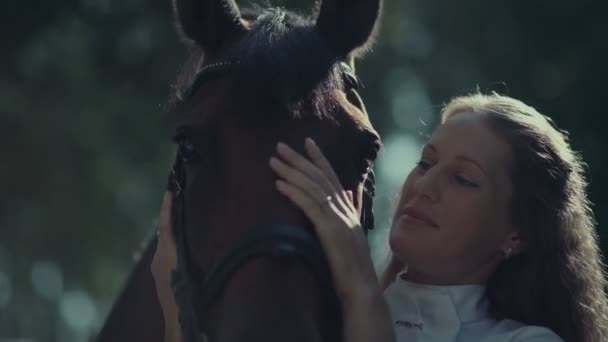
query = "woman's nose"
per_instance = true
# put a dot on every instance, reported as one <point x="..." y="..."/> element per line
<point x="427" y="185"/>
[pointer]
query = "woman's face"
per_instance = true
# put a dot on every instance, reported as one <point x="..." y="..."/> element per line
<point x="452" y="222"/>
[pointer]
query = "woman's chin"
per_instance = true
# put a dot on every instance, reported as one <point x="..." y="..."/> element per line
<point x="400" y="239"/>
<point x="405" y="239"/>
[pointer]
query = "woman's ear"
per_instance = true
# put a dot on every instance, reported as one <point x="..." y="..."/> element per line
<point x="210" y="23"/>
<point x="349" y="25"/>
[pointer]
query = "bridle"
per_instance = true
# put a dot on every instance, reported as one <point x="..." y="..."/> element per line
<point x="194" y="291"/>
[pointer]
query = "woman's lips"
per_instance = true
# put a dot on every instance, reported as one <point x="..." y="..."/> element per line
<point x="417" y="215"/>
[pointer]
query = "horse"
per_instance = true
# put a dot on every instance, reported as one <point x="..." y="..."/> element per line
<point x="249" y="266"/>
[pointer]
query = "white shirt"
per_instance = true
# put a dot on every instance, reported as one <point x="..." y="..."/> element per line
<point x="426" y="313"/>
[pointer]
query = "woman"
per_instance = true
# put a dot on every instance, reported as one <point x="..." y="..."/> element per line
<point x="493" y="226"/>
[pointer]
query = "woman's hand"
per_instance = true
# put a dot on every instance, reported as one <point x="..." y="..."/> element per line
<point x="314" y="187"/>
<point x="163" y="263"/>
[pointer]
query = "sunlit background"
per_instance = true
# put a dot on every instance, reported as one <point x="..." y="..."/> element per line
<point x="85" y="141"/>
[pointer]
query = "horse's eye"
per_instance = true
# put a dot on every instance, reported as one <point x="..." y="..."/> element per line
<point x="187" y="151"/>
<point x="363" y="166"/>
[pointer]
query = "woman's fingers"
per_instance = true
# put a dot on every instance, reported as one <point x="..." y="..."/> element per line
<point x="308" y="205"/>
<point x="297" y="178"/>
<point x="166" y="243"/>
<point x="320" y="214"/>
<point x="164" y="224"/>
<point x="315" y="176"/>
<point x="319" y="159"/>
<point x="305" y="166"/>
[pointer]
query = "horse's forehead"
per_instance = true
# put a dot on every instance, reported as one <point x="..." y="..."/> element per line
<point x="210" y="102"/>
<point x="221" y="100"/>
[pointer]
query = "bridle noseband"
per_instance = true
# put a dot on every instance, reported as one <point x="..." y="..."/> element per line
<point x="195" y="291"/>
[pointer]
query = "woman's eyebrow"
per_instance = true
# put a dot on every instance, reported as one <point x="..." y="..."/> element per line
<point x="472" y="161"/>
<point x="463" y="158"/>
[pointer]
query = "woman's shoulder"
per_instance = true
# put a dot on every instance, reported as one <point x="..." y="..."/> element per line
<point x="514" y="331"/>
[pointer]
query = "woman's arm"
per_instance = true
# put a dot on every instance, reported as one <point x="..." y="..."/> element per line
<point x="313" y="186"/>
<point x="366" y="318"/>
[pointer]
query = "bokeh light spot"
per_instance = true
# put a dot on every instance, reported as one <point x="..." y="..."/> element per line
<point x="78" y="310"/>
<point x="47" y="279"/>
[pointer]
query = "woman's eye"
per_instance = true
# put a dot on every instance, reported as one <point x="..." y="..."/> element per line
<point x="464" y="181"/>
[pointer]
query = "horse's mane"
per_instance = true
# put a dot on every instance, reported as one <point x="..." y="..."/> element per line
<point x="283" y="60"/>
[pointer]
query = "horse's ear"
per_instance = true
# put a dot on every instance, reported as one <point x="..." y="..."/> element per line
<point x="350" y="60"/>
<point x="210" y="23"/>
<point x="349" y="25"/>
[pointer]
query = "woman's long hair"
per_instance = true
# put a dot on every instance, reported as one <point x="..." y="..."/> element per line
<point x="558" y="282"/>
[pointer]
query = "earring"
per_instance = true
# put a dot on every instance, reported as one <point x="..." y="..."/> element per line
<point x="507" y="253"/>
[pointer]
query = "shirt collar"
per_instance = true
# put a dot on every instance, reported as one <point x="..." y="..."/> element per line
<point x="468" y="301"/>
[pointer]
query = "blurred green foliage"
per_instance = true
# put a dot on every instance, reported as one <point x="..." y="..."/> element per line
<point x="86" y="145"/>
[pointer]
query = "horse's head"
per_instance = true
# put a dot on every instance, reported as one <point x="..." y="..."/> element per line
<point x="246" y="267"/>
